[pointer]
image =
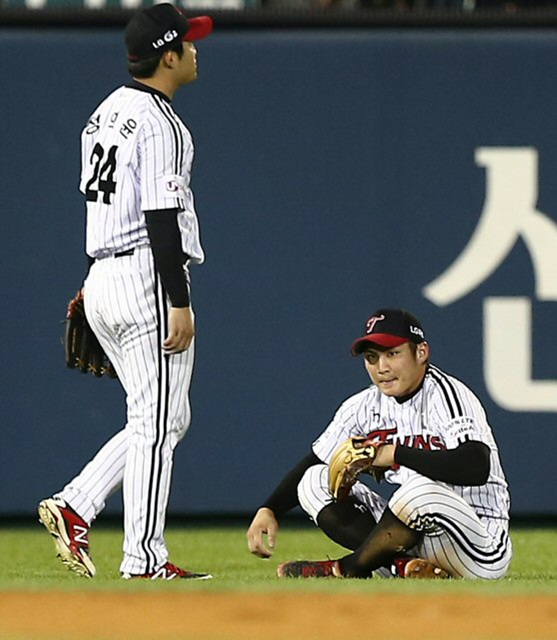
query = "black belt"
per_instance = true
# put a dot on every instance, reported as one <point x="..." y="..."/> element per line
<point x="130" y="252"/>
<point x="121" y="254"/>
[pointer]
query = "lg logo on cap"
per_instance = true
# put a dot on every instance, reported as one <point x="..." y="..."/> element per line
<point x="168" y="37"/>
<point x="417" y="331"/>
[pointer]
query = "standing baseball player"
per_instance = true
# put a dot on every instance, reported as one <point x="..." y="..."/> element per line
<point x="449" y="516"/>
<point x="142" y="233"/>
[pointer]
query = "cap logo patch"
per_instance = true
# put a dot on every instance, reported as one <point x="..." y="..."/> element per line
<point x="417" y="331"/>
<point x="373" y="321"/>
<point x="168" y="37"/>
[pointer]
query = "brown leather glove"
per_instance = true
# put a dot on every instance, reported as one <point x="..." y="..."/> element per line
<point x="82" y="349"/>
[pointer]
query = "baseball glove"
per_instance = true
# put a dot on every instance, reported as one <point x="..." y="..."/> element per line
<point x="353" y="457"/>
<point x="82" y="349"/>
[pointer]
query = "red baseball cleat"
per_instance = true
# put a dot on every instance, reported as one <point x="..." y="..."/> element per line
<point x="70" y="533"/>
<point x="168" y="571"/>
<point x="310" y="569"/>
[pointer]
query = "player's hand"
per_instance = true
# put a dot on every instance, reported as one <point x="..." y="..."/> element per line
<point x="181" y="329"/>
<point x="385" y="456"/>
<point x="264" y="523"/>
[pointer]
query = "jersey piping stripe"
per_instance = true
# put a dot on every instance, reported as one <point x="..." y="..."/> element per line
<point x="172" y="117"/>
<point x="480" y="556"/>
<point x="156" y="450"/>
<point x="483" y="557"/>
<point x="452" y="387"/>
<point x="444" y="391"/>
<point x="486" y="558"/>
<point x="454" y="405"/>
<point x="178" y="142"/>
<point x="164" y="390"/>
<point x="146" y="534"/>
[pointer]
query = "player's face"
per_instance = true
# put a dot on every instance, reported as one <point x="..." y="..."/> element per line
<point x="397" y="371"/>
<point x="187" y="69"/>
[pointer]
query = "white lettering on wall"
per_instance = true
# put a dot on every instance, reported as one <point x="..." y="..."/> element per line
<point x="510" y="212"/>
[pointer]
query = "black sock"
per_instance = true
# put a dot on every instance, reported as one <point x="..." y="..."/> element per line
<point x="348" y="523"/>
<point x="389" y="539"/>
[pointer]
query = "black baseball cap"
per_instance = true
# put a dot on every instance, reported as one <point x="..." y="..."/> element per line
<point x="158" y="28"/>
<point x="389" y="328"/>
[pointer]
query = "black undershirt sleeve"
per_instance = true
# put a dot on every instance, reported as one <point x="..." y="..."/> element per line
<point x="467" y="465"/>
<point x="285" y="496"/>
<point x="166" y="244"/>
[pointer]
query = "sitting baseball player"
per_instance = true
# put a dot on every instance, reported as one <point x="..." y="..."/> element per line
<point x="416" y="427"/>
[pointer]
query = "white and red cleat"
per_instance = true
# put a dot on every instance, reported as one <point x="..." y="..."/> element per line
<point x="169" y="571"/>
<point x="70" y="533"/>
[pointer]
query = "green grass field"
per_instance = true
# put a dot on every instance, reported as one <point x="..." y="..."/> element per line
<point x="28" y="563"/>
<point x="41" y="600"/>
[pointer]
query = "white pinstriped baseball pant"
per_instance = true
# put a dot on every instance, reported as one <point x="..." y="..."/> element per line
<point x="127" y="309"/>
<point x="455" y="538"/>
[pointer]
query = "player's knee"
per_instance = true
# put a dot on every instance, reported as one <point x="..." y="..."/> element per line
<point x="313" y="490"/>
<point x="413" y="503"/>
<point x="177" y="429"/>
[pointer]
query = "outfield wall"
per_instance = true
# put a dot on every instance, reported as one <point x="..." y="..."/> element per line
<point x="336" y="171"/>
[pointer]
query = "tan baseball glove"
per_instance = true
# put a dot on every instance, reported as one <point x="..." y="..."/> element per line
<point x="353" y="457"/>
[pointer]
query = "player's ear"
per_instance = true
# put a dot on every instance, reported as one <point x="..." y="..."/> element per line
<point x="422" y="352"/>
<point x="167" y="59"/>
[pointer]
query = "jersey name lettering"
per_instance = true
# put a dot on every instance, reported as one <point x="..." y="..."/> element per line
<point x="128" y="127"/>
<point x="93" y="125"/>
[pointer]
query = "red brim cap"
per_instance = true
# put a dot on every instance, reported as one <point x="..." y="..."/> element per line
<point x="199" y="28"/>
<point x="382" y="339"/>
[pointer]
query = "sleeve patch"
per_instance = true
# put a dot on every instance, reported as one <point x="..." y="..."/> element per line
<point x="173" y="185"/>
<point x="461" y="427"/>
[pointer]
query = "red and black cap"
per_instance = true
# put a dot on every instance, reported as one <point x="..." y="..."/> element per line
<point x="158" y="28"/>
<point x="389" y="328"/>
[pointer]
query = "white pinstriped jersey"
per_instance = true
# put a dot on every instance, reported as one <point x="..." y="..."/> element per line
<point x="442" y="415"/>
<point x="136" y="156"/>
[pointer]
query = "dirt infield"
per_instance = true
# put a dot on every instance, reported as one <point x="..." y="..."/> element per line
<point x="281" y="616"/>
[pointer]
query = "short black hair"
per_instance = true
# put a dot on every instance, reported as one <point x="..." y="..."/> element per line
<point x="146" y="68"/>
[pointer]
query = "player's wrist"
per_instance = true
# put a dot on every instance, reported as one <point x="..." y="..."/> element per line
<point x="395" y="453"/>
<point x="267" y="512"/>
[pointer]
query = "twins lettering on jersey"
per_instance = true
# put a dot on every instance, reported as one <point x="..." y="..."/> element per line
<point x="421" y="441"/>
